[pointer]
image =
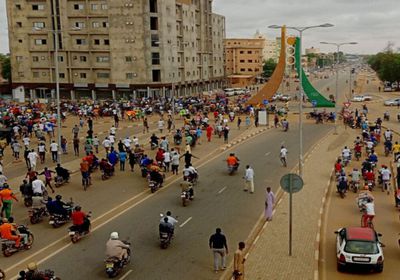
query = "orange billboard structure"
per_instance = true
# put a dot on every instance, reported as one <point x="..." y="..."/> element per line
<point x="272" y="86"/>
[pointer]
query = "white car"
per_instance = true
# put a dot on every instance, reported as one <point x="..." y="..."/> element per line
<point x="392" y="102"/>
<point x="359" y="246"/>
<point x="285" y="98"/>
<point x="361" y="98"/>
<point x="276" y="96"/>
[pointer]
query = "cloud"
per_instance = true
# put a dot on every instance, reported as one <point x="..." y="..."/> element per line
<point x="369" y="22"/>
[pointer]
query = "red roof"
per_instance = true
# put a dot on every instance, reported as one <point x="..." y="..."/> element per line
<point x="360" y="233"/>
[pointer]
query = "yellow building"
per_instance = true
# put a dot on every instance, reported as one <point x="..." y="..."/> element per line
<point x="116" y="48"/>
<point x="243" y="60"/>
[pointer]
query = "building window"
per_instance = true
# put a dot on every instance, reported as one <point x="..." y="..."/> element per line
<point x="94" y="7"/>
<point x="242" y="70"/>
<point x="60" y="59"/>
<point x="102" y="59"/>
<point x="242" y="61"/>
<point x="249" y="52"/>
<point x="129" y="76"/>
<point x="103" y="75"/>
<point x="156" y="75"/>
<point x="39" y="25"/>
<point x="44" y="74"/>
<point x="20" y="40"/>
<point x="155" y="41"/>
<point x="155" y="58"/>
<point x="250" y="61"/>
<point x="106" y="42"/>
<point x="80" y="41"/>
<point x="21" y="74"/>
<point x="78" y="7"/>
<point x="82" y="75"/>
<point x="105" y="24"/>
<point x="61" y="75"/>
<point x="96" y="41"/>
<point x="35" y="58"/>
<point x="104" y="6"/>
<point x="37" y="7"/>
<point x="43" y="57"/>
<point x="153" y="23"/>
<point x="18" y="6"/>
<point x="153" y="6"/>
<point x="82" y="58"/>
<point x="80" y="25"/>
<point x="128" y="58"/>
<point x="35" y="74"/>
<point x="19" y="58"/>
<point x="19" y="24"/>
<point x="40" y="42"/>
<point x="250" y="70"/>
<point x="241" y="52"/>
<point x="95" y="24"/>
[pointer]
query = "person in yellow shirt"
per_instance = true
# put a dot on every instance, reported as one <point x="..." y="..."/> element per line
<point x="396" y="150"/>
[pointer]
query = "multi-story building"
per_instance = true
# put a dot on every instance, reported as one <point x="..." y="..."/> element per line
<point x="116" y="48"/>
<point x="270" y="50"/>
<point x="243" y="60"/>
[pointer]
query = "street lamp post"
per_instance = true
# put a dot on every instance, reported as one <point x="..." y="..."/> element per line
<point x="338" y="45"/>
<point x="301" y="30"/>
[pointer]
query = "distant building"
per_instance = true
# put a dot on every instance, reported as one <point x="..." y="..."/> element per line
<point x="116" y="48"/>
<point x="271" y="48"/>
<point x="312" y="50"/>
<point x="243" y="60"/>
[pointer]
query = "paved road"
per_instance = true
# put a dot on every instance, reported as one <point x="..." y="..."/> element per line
<point x="230" y="208"/>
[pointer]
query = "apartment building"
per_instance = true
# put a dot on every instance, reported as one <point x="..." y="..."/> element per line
<point x="243" y="60"/>
<point x="270" y="49"/>
<point x="115" y="48"/>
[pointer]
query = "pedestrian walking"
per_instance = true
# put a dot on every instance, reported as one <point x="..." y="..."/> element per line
<point x="54" y="151"/>
<point x="16" y="146"/>
<point x="247" y="121"/>
<point x="269" y="204"/>
<point x="283" y="155"/>
<point x="48" y="177"/>
<point x="122" y="159"/>
<point x="63" y="144"/>
<point x="238" y="262"/>
<point x="161" y="125"/>
<point x="226" y="133"/>
<point x="174" y="161"/>
<point x="218" y="245"/>
<point x="75" y="131"/>
<point x="7" y="196"/>
<point x="76" y="145"/>
<point x="33" y="157"/>
<point x="239" y="122"/>
<point x="199" y="132"/>
<point x="209" y="131"/>
<point x="42" y="151"/>
<point x="132" y="159"/>
<point x="96" y="143"/>
<point x="145" y="125"/>
<point x="249" y="179"/>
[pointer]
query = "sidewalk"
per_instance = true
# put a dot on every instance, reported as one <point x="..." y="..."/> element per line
<point x="268" y="256"/>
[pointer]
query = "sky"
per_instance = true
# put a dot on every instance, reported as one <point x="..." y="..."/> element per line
<point x="372" y="23"/>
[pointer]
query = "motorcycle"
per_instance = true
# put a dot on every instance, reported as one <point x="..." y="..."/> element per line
<point x="165" y="240"/>
<point x="114" y="265"/>
<point x="346" y="160"/>
<point x="77" y="234"/>
<point x="106" y="174"/>
<point x="371" y="185"/>
<point x="187" y="196"/>
<point x="232" y="169"/>
<point x="386" y="117"/>
<point x="36" y="215"/>
<point x="8" y="246"/>
<point x="355" y="186"/>
<point x="27" y="201"/>
<point x="59" y="181"/>
<point x="153" y="185"/>
<point x="387" y="151"/>
<point x="57" y="220"/>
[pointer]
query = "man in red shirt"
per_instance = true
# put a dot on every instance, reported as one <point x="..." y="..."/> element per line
<point x="80" y="220"/>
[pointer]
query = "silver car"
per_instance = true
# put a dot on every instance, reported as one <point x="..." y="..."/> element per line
<point x="392" y="102"/>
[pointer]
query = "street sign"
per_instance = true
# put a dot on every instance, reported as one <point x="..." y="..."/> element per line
<point x="291" y="183"/>
<point x="265" y="102"/>
<point x="314" y="103"/>
<point x="346" y="104"/>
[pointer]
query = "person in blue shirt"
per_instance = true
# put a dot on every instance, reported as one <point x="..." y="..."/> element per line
<point x="122" y="159"/>
<point x="373" y="158"/>
<point x="113" y="157"/>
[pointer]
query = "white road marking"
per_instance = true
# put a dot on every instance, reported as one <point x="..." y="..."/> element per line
<point x="185" y="222"/>
<point x="126" y="274"/>
<point x="221" y="190"/>
<point x="267" y="154"/>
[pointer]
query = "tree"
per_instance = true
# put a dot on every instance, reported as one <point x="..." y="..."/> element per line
<point x="269" y="67"/>
<point x="5" y="66"/>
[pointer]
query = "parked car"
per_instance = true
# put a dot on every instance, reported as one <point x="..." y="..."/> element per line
<point x="359" y="247"/>
<point x="240" y="91"/>
<point x="276" y="96"/>
<point x="387" y="89"/>
<point x="229" y="91"/>
<point x="392" y="102"/>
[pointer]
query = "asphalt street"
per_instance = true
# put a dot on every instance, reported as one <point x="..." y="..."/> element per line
<point x="219" y="202"/>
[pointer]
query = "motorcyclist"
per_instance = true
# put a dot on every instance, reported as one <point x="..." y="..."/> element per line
<point x="189" y="173"/>
<point x="358" y="149"/>
<point x="373" y="158"/>
<point x="285" y="124"/>
<point x="33" y="273"/>
<point x="166" y="227"/>
<point x="171" y="220"/>
<point x="106" y="167"/>
<point x="154" y="140"/>
<point x="156" y="176"/>
<point x="59" y="207"/>
<point x="355" y="176"/>
<point x="346" y="153"/>
<point x="80" y="220"/>
<point x="146" y="161"/>
<point x="386" y="116"/>
<point x="160" y="155"/>
<point x="7" y="231"/>
<point x="342" y="184"/>
<point x="187" y="187"/>
<point x="338" y="166"/>
<point x="115" y="248"/>
<point x="62" y="172"/>
<point x="357" y="140"/>
<point x="388" y="145"/>
<point x="232" y="161"/>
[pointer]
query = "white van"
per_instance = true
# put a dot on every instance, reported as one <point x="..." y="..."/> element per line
<point x="229" y="91"/>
